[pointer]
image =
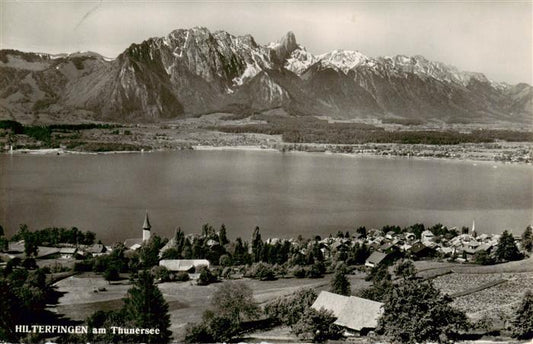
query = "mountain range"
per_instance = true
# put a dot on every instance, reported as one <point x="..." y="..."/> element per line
<point x="194" y="71"/>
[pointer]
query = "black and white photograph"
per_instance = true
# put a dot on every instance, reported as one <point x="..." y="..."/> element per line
<point x="247" y="171"/>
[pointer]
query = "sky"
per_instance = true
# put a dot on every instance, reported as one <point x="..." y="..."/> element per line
<point x="493" y="37"/>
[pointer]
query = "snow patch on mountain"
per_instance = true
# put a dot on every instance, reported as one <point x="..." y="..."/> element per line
<point x="343" y="60"/>
<point x="425" y="68"/>
<point x="252" y="69"/>
<point x="300" y="60"/>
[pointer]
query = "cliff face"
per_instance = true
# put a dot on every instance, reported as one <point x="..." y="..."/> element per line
<point x="195" y="71"/>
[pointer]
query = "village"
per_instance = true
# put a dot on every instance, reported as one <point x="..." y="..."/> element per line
<point x="188" y="267"/>
<point x="456" y="247"/>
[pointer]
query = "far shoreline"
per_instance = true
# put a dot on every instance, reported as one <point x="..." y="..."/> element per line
<point x="260" y="148"/>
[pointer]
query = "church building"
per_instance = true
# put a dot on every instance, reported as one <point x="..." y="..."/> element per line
<point x="135" y="243"/>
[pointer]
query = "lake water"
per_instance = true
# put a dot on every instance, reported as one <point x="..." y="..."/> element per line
<point x="285" y="194"/>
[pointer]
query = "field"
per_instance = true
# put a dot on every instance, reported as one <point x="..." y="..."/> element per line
<point x="492" y="292"/>
<point x="84" y="295"/>
<point x="88" y="292"/>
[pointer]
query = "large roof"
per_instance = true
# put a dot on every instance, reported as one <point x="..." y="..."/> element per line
<point x="129" y="243"/>
<point x="183" y="264"/>
<point x="351" y="312"/>
<point x="376" y="257"/>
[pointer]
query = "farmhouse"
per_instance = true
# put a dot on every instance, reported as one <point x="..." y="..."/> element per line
<point x="356" y="315"/>
<point x="185" y="265"/>
<point x="419" y="250"/>
<point x="375" y="259"/>
<point x="96" y="250"/>
<point x="68" y="252"/>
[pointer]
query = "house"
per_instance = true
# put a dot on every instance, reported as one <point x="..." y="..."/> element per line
<point x="68" y="252"/>
<point x="487" y="247"/>
<point x="409" y="236"/>
<point x="427" y="237"/>
<point x="356" y="315"/>
<point x="390" y="235"/>
<point x="375" y="259"/>
<point x="133" y="244"/>
<point x="170" y="244"/>
<point x="96" y="250"/>
<point x="419" y="250"/>
<point x="374" y="246"/>
<point x="447" y="251"/>
<point x="211" y="243"/>
<point x="185" y="265"/>
<point x="45" y="252"/>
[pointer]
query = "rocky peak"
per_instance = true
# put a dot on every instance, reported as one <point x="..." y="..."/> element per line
<point x="284" y="47"/>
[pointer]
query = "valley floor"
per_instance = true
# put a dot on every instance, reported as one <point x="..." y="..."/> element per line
<point x="202" y="133"/>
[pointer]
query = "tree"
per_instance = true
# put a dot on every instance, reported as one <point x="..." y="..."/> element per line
<point x="262" y="271"/>
<point x="483" y="258"/>
<point x="111" y="273"/>
<point x="527" y="239"/>
<point x="222" y="235"/>
<point x="289" y="309"/>
<point x="221" y="327"/>
<point x="102" y="319"/>
<point x="171" y="253"/>
<point x="23" y="298"/>
<point x="161" y="273"/>
<point x="4" y="243"/>
<point x="507" y="249"/>
<point x="145" y="307"/>
<point x="316" y="270"/>
<point x="240" y="254"/>
<point x="213" y="329"/>
<point x="179" y="239"/>
<point x="381" y="284"/>
<point x="317" y="325"/>
<point x="523" y="321"/>
<point x="225" y="260"/>
<point x="9" y="309"/>
<point x="149" y="251"/>
<point x="405" y="268"/>
<point x="416" y="312"/>
<point x="340" y="284"/>
<point x="30" y="242"/>
<point x="257" y="245"/>
<point x="205" y="277"/>
<point x="235" y="300"/>
<point x="232" y="303"/>
<point x="186" y="253"/>
<point x="358" y="254"/>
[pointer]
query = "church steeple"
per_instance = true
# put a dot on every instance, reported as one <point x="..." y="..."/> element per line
<point x="146" y="227"/>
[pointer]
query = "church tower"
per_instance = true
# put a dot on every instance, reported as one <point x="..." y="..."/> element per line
<point x="146" y="228"/>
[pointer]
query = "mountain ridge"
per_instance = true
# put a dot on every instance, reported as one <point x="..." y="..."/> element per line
<point x="195" y="71"/>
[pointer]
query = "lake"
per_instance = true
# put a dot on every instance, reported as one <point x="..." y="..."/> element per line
<point x="285" y="194"/>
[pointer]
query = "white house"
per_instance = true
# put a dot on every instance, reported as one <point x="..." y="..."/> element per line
<point x="184" y="265"/>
